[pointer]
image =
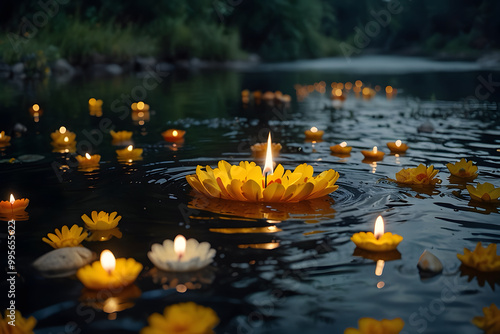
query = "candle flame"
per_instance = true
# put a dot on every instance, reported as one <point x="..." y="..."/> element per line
<point x="180" y="245"/>
<point x="374" y="149"/>
<point x="1" y="134"/>
<point x="12" y="199"/>
<point x="62" y="130"/>
<point x="314" y="129"/>
<point x="87" y="155"/>
<point x="108" y="261"/>
<point x="338" y="92"/>
<point x="66" y="139"/>
<point x="35" y="107"/>
<point x="140" y="105"/>
<point x="175" y="133"/>
<point x="398" y="143"/>
<point x="343" y="144"/>
<point x="268" y="167"/>
<point x="130" y="148"/>
<point x="379" y="227"/>
<point x="380" y="268"/>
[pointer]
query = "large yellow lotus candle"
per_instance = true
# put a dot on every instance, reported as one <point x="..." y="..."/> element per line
<point x="4" y="139"/>
<point x="341" y="149"/>
<point x="109" y="273"/>
<point x="378" y="241"/>
<point x="130" y="153"/>
<point x="373" y="155"/>
<point x="397" y="147"/>
<point x="88" y="160"/>
<point x="173" y="135"/>
<point x="314" y="134"/>
<point x="13" y="205"/>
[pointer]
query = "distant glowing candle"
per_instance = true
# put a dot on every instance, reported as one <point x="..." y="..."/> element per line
<point x="378" y="241"/>
<point x="4" y="139"/>
<point x="373" y="155"/>
<point x="130" y="153"/>
<point x="180" y="246"/>
<point x="397" y="147"/>
<point x="314" y="134"/>
<point x="88" y="160"/>
<point x="341" y="149"/>
<point x="173" y="135"/>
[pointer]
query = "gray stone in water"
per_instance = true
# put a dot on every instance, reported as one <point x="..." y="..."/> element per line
<point x="63" y="262"/>
<point x="62" y="67"/>
<point x="429" y="263"/>
<point x="426" y="127"/>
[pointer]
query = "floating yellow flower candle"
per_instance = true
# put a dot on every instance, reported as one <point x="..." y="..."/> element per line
<point x="182" y="318"/>
<point x="420" y="175"/>
<point x="95" y="107"/>
<point x="173" y="135"/>
<point x="4" y="139"/>
<point x="373" y="155"/>
<point x="482" y="259"/>
<point x="139" y="106"/>
<point x="377" y="241"/>
<point x="341" y="149"/>
<point x="129" y="154"/>
<point x="101" y="220"/>
<point x="109" y="273"/>
<point x="373" y="326"/>
<point x="484" y="192"/>
<point x="397" y="147"/>
<point x="22" y="325"/>
<point x="62" y="133"/>
<point x="259" y="149"/>
<point x="490" y="323"/>
<point x="248" y="182"/>
<point x="13" y="205"/>
<point x="368" y="93"/>
<point x="66" y="237"/>
<point x="120" y="137"/>
<point x="88" y="161"/>
<point x="314" y="134"/>
<point x="463" y="169"/>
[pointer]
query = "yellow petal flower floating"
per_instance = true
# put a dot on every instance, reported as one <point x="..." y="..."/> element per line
<point x="13" y="205"/>
<point x="490" y="323"/>
<point x="420" y="175"/>
<point x="314" y="134"/>
<point x="482" y="259"/>
<point x="378" y="241"/>
<point x="463" y="169"/>
<point x="66" y="237"/>
<point x="373" y="326"/>
<point x="88" y="161"/>
<point x="484" y="192"/>
<point x="182" y="318"/>
<point x="120" y="137"/>
<point x="109" y="273"/>
<point x="102" y="220"/>
<point x="4" y="139"/>
<point x="247" y="182"/>
<point x="22" y="325"/>
<point x="129" y="154"/>
<point x="397" y="147"/>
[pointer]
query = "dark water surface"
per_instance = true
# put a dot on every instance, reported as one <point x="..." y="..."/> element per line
<point x="278" y="268"/>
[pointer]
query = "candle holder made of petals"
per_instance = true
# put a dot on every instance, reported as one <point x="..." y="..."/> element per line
<point x="4" y="139"/>
<point x="463" y="170"/>
<point x="59" y="135"/>
<point x="173" y="135"/>
<point x="373" y="155"/>
<point x="341" y="149"/>
<point x="13" y="206"/>
<point x="139" y="106"/>
<point x="421" y="176"/>
<point x="195" y="256"/>
<point x="259" y="150"/>
<point x="368" y="241"/>
<point x="95" y="277"/>
<point x="397" y="149"/>
<point x="102" y="220"/>
<point x="129" y="154"/>
<point x="314" y="134"/>
<point x="88" y="162"/>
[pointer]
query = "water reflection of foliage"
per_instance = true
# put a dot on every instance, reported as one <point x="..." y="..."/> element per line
<point x="310" y="211"/>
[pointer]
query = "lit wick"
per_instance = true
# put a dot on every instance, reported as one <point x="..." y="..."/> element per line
<point x="62" y="130"/>
<point x="343" y="144"/>
<point x="268" y="167"/>
<point x="379" y="227"/>
<point x="130" y="148"/>
<point x="12" y="199"/>
<point x="375" y="149"/>
<point x="87" y="155"/>
<point x="108" y="261"/>
<point x="180" y="246"/>
<point x="398" y="143"/>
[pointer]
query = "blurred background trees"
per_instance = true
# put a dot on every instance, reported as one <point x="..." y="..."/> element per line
<point x="276" y="30"/>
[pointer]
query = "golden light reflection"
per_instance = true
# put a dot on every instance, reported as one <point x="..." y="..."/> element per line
<point x="112" y="301"/>
<point x="380" y="284"/>
<point x="379" y="269"/>
<point x="104" y="235"/>
<point x="373" y="165"/>
<point x="244" y="230"/>
<point x="267" y="245"/>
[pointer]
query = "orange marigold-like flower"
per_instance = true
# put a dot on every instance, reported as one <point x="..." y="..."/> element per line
<point x="463" y="168"/>
<point x="66" y="237"/>
<point x="373" y="326"/>
<point x="420" y="175"/>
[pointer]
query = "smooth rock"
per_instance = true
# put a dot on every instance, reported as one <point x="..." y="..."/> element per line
<point x="429" y="263"/>
<point x="63" y="262"/>
<point x="62" y="67"/>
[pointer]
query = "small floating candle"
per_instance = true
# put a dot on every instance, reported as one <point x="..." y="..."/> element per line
<point x="88" y="160"/>
<point x="95" y="107"/>
<point x="35" y="111"/>
<point x="130" y="153"/>
<point x="397" y="147"/>
<point x="63" y="133"/>
<point x="173" y="135"/>
<point x="374" y="154"/>
<point x="13" y="205"/>
<point x="140" y="106"/>
<point x="4" y="139"/>
<point x="109" y="273"/>
<point x="377" y="241"/>
<point x="181" y="255"/>
<point x="341" y="149"/>
<point x="314" y="134"/>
